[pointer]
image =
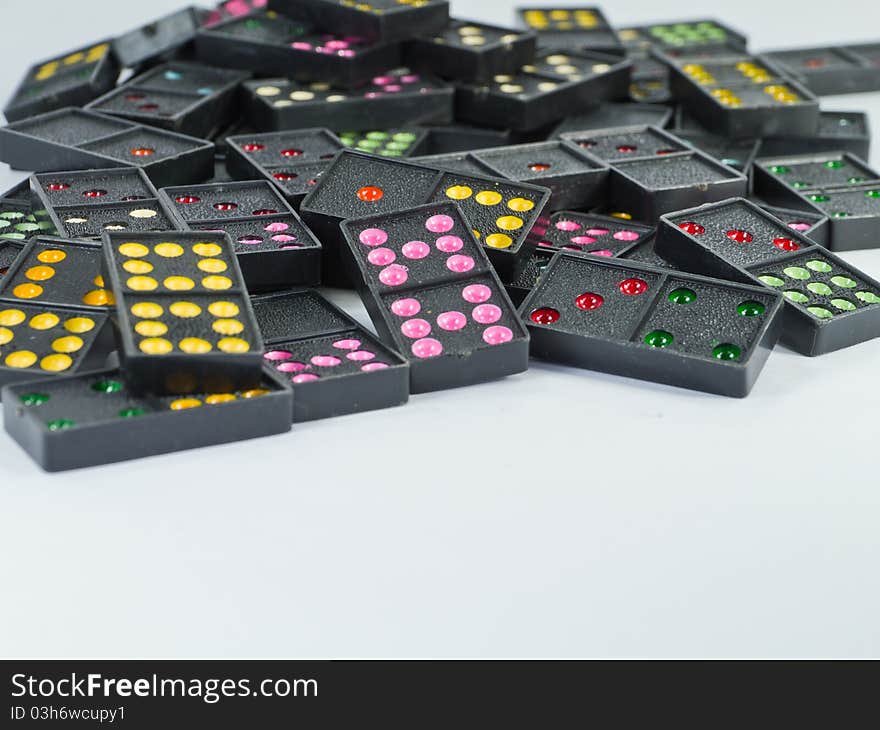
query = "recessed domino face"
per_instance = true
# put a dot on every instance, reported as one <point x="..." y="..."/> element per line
<point x="862" y="201"/>
<point x="629" y="144"/>
<point x="671" y="171"/>
<point x="831" y="170"/>
<point x="277" y="149"/>
<point x="694" y="33"/>
<point x="563" y="19"/>
<point x="142" y="146"/>
<point x="74" y="62"/>
<point x="18" y="225"/>
<point x="45" y="339"/>
<point x="225" y="201"/>
<point x="588" y="233"/>
<point x="269" y="233"/>
<point x="9" y="252"/>
<point x="736" y="72"/>
<point x="476" y="36"/>
<point x="188" y="78"/>
<point x="90" y="221"/>
<point x="527" y="87"/>
<point x="148" y="104"/>
<point x="570" y="65"/>
<point x="536" y="161"/>
<point x="385" y="143"/>
<point x="93" y="187"/>
<point x="57" y="272"/>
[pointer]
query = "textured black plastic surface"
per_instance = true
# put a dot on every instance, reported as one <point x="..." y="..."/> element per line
<point x="183" y="316"/>
<point x="335" y="366"/>
<point x="837" y="131"/>
<point x="96" y="418"/>
<point x="430" y="289"/>
<point x="463" y="162"/>
<point x="735" y="153"/>
<point x="685" y="35"/>
<point x="643" y="322"/>
<point x="69" y="80"/>
<point x="611" y="145"/>
<point x="810" y="223"/>
<point x="738" y="240"/>
<point x="828" y="70"/>
<point x="527" y="279"/>
<point x="584" y="28"/>
<point x="9" y="251"/>
<point x="615" y="114"/>
<point x="161" y="36"/>
<point x="453" y="138"/>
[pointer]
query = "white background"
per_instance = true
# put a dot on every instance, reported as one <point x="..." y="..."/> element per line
<point x="556" y="513"/>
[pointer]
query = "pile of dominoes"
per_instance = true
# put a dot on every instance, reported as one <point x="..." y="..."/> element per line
<point x="655" y="202"/>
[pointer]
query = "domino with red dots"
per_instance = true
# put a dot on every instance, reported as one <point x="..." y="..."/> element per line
<point x="429" y="289"/>
<point x="642" y="322"/>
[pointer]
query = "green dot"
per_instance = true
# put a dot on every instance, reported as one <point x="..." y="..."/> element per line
<point x="60" y="424"/>
<point x="750" y="309"/>
<point x="819" y="198"/>
<point x="403" y="137"/>
<point x="726" y="351"/>
<point x="820" y="312"/>
<point x="4" y="224"/>
<point x="14" y="236"/>
<point x="796" y="272"/>
<point x="872" y="194"/>
<point x="399" y="146"/>
<point x="252" y="24"/>
<point x="107" y="386"/>
<point x="27" y="227"/>
<point x="855" y="180"/>
<point x="835" y="164"/>
<point x="34" y="399"/>
<point x="780" y="170"/>
<point x="795" y="296"/>
<point x="682" y="295"/>
<point x="771" y="280"/>
<point x="800" y="185"/>
<point x="840" y="214"/>
<point x="12" y="215"/>
<point x="378" y="136"/>
<point x="658" y="338"/>
<point x="45" y="225"/>
<point x="819" y="265"/>
<point x="131" y="412"/>
<point x="843" y="304"/>
<point x="819" y="288"/>
<point x="868" y="297"/>
<point x="844" y="282"/>
<point x="390" y="153"/>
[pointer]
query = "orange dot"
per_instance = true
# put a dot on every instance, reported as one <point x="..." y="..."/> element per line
<point x="143" y="151"/>
<point x="51" y="256"/>
<point x="370" y="194"/>
<point x="27" y="291"/>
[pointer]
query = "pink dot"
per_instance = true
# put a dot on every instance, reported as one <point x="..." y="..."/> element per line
<point x="292" y="367"/>
<point x="415" y="249"/>
<point x="626" y="235"/>
<point x="381" y="256"/>
<point x="451" y="321"/>
<point x="597" y="231"/>
<point x="409" y="78"/>
<point x="301" y="46"/>
<point x="429" y="347"/>
<point x="392" y="88"/>
<point x="291" y="247"/>
<point x="361" y="355"/>
<point x="347" y="344"/>
<point x="276" y="227"/>
<point x="336" y="45"/>
<point x="486" y="313"/>
<point x="393" y="275"/>
<point x="415" y="328"/>
<point x="382" y="80"/>
<point x="545" y="244"/>
<point x="325" y="361"/>
<point x="304" y="378"/>
<point x="497" y="335"/>
<point x="603" y="252"/>
<point x="439" y="223"/>
<point x="568" y="226"/>
<point x="799" y="226"/>
<point x="583" y="240"/>
<point x="459" y="264"/>
<point x="449" y="244"/>
<point x="372" y="95"/>
<point x="283" y="238"/>
<point x="345" y="54"/>
<point x="370" y="367"/>
<point x="406" y="307"/>
<point x="476" y="293"/>
<point x="373" y="237"/>
<point x="275" y="355"/>
<point x="250" y="240"/>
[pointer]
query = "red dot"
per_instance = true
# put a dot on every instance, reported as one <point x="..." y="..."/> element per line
<point x="148" y="107"/>
<point x="291" y="153"/>
<point x="265" y="211"/>
<point x="94" y="193"/>
<point x="56" y="187"/>
<point x="694" y="229"/>
<point x="312" y="182"/>
<point x="225" y="206"/>
<point x="134" y="97"/>
<point x="588" y="301"/>
<point x="588" y="144"/>
<point x="739" y="236"/>
<point x="786" y="244"/>
<point x="633" y="287"/>
<point x="370" y="194"/>
<point x="284" y="176"/>
<point x="143" y="151"/>
<point x="539" y="167"/>
<point x="814" y="62"/>
<point x="187" y="199"/>
<point x="627" y="148"/>
<point x="544" y="315"/>
<point x="666" y="152"/>
<point x="253" y="147"/>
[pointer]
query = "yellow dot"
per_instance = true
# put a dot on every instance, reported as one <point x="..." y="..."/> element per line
<point x="51" y="256"/>
<point x="476" y="233"/>
<point x="459" y="192"/>
<point x="79" y="325"/>
<point x="147" y="310"/>
<point x="143" y="213"/>
<point x="179" y="283"/>
<point x="223" y="309"/>
<point x="181" y="404"/>
<point x="73" y="58"/>
<point x="168" y="250"/>
<point x="20" y="359"/>
<point x="27" y="291"/>
<point x="212" y="266"/>
<point x="499" y="240"/>
<point x="302" y="95"/>
<point x="217" y="282"/>
<point x="255" y="393"/>
<point x="45" y="321"/>
<point x="150" y="328"/>
<point x="133" y="250"/>
<point x="99" y="281"/>
<point x="155" y="346"/>
<point x="194" y="345"/>
<point x="547" y="86"/>
<point x="233" y="345"/>
<point x="267" y="91"/>
<point x="207" y="249"/>
<point x="67" y="344"/>
<point x="511" y="88"/>
<point x="56" y="363"/>
<point x="185" y="310"/>
<point x="488" y="197"/>
<point x="622" y="216"/>
<point x="133" y="266"/>
<point x="99" y="298"/>
<point x="213" y="400"/>
<point x="12" y="317"/>
<point x="520" y="205"/>
<point x="227" y="326"/>
<point x="142" y="283"/>
<point x="509" y="223"/>
<point x="6" y="335"/>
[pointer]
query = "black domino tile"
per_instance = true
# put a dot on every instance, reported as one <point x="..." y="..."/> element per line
<point x="828" y="70"/>
<point x="159" y="38"/>
<point x="615" y="114"/>
<point x="839" y="131"/>
<point x="584" y="28"/>
<point x="611" y="145"/>
<point x="588" y="233"/>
